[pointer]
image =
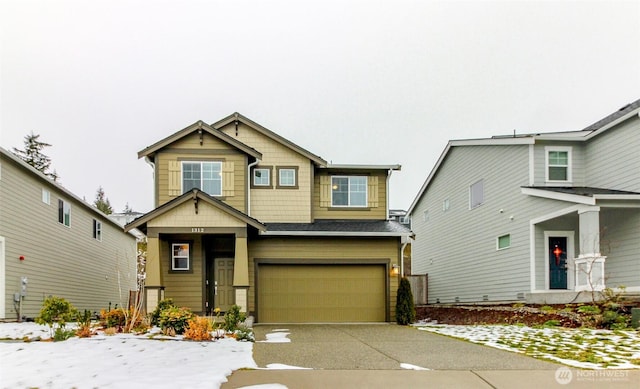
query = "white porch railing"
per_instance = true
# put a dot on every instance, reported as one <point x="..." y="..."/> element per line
<point x="589" y="273"/>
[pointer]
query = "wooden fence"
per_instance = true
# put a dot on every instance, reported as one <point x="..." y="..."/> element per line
<point x="419" y="288"/>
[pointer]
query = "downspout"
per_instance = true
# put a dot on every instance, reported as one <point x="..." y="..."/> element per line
<point x="405" y="242"/>
<point x="387" y="196"/>
<point x="252" y="164"/>
<point x="153" y="170"/>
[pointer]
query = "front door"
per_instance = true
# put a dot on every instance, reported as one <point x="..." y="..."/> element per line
<point x="557" y="262"/>
<point x="224" y="295"/>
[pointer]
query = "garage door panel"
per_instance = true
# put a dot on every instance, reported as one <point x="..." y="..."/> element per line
<point x="321" y="293"/>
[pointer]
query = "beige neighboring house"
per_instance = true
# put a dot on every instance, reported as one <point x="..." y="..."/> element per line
<point x="59" y="244"/>
<point x="246" y="217"/>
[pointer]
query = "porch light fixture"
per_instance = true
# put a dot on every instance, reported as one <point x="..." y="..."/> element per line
<point x="395" y="270"/>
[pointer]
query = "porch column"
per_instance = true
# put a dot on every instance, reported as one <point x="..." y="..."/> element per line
<point x="154" y="290"/>
<point x="241" y="273"/>
<point x="589" y="266"/>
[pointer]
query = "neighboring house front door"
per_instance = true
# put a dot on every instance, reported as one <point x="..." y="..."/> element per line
<point x="557" y="262"/>
<point x="223" y="284"/>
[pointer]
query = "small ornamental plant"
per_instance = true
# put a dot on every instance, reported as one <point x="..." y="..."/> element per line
<point x="162" y="305"/>
<point x="84" y="324"/>
<point x="233" y="318"/>
<point x="174" y="320"/>
<point x="56" y="312"/>
<point x="199" y="329"/>
<point x="405" y="309"/>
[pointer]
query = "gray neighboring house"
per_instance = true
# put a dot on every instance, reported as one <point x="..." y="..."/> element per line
<point x="538" y="218"/>
<point x="60" y="244"/>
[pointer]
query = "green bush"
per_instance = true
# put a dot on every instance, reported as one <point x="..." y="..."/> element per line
<point x="244" y="334"/>
<point x="162" y="305"/>
<point x="56" y="312"/>
<point x="233" y="318"/>
<point x="589" y="309"/>
<point x="174" y="320"/>
<point x="405" y="310"/>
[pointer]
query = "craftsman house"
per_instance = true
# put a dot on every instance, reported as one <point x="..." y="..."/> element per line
<point x="53" y="243"/>
<point x="539" y="218"/>
<point x="243" y="216"/>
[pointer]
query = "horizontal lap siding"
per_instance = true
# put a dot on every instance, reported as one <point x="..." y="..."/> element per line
<point x="185" y="288"/>
<point x="621" y="245"/>
<point x="59" y="260"/>
<point x="341" y="249"/>
<point x="377" y="213"/>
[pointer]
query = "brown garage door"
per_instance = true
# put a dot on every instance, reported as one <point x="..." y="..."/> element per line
<point x="321" y="293"/>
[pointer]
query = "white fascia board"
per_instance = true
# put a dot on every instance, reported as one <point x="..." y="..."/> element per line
<point x="635" y="112"/>
<point x="621" y="197"/>
<point x="429" y="178"/>
<point x="528" y="140"/>
<point x="571" y="198"/>
<point x="364" y="167"/>
<point x="336" y="233"/>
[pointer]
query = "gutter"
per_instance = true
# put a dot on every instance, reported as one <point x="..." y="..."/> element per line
<point x="249" y="166"/>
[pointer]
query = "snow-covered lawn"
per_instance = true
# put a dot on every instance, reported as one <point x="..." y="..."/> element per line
<point x="118" y="361"/>
<point x="582" y="348"/>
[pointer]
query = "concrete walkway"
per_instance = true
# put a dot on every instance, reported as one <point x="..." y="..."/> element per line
<point x="370" y="355"/>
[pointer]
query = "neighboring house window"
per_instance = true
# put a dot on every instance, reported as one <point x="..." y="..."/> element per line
<point x="46" y="196"/>
<point x="64" y="213"/>
<point x="180" y="256"/>
<point x="206" y="176"/>
<point x="349" y="191"/>
<point x="425" y="216"/>
<point x="97" y="230"/>
<point x="446" y="205"/>
<point x="476" y="194"/>
<point x="261" y="177"/>
<point x="558" y="164"/>
<point x="504" y="241"/>
<point x="287" y="177"/>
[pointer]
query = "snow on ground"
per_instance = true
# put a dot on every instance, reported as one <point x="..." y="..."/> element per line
<point x="118" y="361"/>
<point x="277" y="337"/>
<point x="409" y="366"/>
<point x="581" y="348"/>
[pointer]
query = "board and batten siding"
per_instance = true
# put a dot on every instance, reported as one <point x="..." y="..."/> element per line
<point x="376" y="198"/>
<point x="457" y="246"/>
<point x="273" y="205"/>
<point x="342" y="250"/>
<point x="59" y="260"/>
<point x="613" y="158"/>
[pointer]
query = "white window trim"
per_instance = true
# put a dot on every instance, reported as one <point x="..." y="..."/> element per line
<point x="173" y="257"/>
<point x="264" y="169"/>
<point x="471" y="206"/>
<point x="97" y="230"/>
<point x="567" y="149"/>
<point x="446" y="205"/>
<point x="498" y="248"/>
<point x="425" y="216"/>
<point x="280" y="170"/>
<point x="200" y="162"/>
<point x="46" y="196"/>
<point x="63" y="222"/>
<point x="366" y="193"/>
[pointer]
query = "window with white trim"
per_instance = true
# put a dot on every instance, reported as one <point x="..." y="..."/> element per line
<point x="46" y="196"/>
<point x="446" y="204"/>
<point x="261" y="177"/>
<point x="180" y="256"/>
<point x="476" y="194"/>
<point x="286" y="177"/>
<point x="558" y="161"/>
<point x="64" y="213"/>
<point x="206" y="176"/>
<point x="97" y="230"/>
<point x="503" y="242"/>
<point x="349" y="191"/>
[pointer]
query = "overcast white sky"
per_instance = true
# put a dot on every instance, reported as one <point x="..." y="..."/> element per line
<point x="364" y="82"/>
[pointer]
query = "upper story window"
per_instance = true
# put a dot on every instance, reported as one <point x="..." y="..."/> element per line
<point x="180" y="256"/>
<point x="425" y="216"/>
<point x="558" y="161"/>
<point x="476" y="194"/>
<point x="287" y="177"/>
<point x="206" y="176"/>
<point x="97" y="230"/>
<point x="349" y="191"/>
<point x="46" y="196"/>
<point x="64" y="213"/>
<point x="446" y="204"/>
<point x="262" y="177"/>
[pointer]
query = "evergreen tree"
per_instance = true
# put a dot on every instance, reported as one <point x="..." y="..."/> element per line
<point x="102" y="202"/>
<point x="405" y="310"/>
<point x="127" y="209"/>
<point x="32" y="154"/>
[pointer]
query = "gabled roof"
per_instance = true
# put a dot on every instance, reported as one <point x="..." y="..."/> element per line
<point x="269" y="134"/>
<point x="193" y="195"/>
<point x="597" y="128"/>
<point x="198" y="126"/>
<point x="48" y="181"/>
<point x="379" y="228"/>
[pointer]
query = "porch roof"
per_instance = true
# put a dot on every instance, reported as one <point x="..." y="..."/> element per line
<point x="194" y="195"/>
<point x="580" y="194"/>
<point x="378" y="228"/>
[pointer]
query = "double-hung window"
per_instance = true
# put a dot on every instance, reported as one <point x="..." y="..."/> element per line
<point x="558" y="164"/>
<point x="206" y="176"/>
<point x="97" y="230"/>
<point x="476" y="194"/>
<point x="180" y="256"/>
<point x="64" y="213"/>
<point x="349" y="191"/>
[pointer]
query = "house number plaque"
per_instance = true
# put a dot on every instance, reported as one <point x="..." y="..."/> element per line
<point x="197" y="229"/>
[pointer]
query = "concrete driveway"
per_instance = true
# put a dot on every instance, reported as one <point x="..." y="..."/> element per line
<point x="382" y="347"/>
<point x="370" y="356"/>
